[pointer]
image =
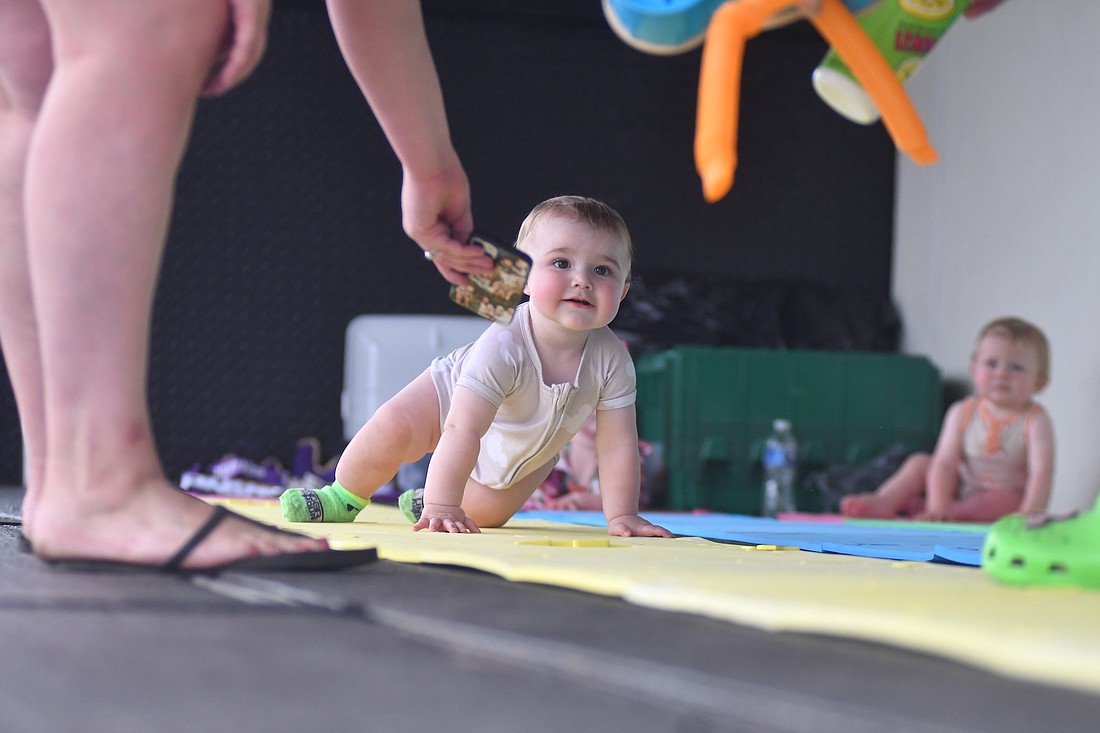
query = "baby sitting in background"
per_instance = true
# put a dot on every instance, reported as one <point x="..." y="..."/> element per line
<point x="995" y="452"/>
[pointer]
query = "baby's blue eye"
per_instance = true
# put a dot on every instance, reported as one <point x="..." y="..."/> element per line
<point x="560" y="263"/>
<point x="603" y="271"/>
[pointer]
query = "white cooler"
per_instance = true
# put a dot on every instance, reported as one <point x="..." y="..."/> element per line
<point x="384" y="353"/>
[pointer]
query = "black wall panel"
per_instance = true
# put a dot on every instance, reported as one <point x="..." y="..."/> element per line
<point x="287" y="222"/>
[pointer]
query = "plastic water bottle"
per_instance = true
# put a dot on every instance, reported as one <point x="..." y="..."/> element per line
<point x="780" y="467"/>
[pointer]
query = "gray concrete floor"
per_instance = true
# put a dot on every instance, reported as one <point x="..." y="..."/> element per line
<point x="391" y="647"/>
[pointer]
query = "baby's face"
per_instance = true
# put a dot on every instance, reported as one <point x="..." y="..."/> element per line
<point x="1006" y="371"/>
<point x="578" y="274"/>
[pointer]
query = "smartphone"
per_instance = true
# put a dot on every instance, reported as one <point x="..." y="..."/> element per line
<point x="495" y="295"/>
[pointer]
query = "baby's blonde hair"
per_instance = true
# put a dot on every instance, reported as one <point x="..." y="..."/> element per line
<point x="1018" y="329"/>
<point x="592" y="212"/>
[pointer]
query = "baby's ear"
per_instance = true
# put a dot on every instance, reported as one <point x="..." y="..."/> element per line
<point x="626" y="289"/>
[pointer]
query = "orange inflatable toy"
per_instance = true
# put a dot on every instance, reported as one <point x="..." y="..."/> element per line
<point x="737" y="21"/>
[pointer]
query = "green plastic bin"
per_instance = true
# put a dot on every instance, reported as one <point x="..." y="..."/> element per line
<point x="710" y="410"/>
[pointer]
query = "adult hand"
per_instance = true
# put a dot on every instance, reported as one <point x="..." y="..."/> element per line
<point x="243" y="47"/>
<point x="436" y="215"/>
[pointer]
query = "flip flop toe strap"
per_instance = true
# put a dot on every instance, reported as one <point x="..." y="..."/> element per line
<point x="216" y="517"/>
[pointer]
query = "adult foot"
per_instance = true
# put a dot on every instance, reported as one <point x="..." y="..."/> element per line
<point x="147" y="525"/>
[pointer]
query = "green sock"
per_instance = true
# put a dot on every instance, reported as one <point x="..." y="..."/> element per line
<point x="411" y="504"/>
<point x="332" y="503"/>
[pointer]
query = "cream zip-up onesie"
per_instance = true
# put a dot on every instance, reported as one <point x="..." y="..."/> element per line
<point x="534" y="420"/>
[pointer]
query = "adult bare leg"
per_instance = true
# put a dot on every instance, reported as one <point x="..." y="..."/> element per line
<point x="99" y="185"/>
<point x="25" y="67"/>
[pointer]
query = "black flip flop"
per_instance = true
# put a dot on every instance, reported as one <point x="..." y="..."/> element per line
<point x="15" y="519"/>
<point x="289" y="561"/>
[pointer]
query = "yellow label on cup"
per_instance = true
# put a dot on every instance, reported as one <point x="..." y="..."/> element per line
<point x="929" y="9"/>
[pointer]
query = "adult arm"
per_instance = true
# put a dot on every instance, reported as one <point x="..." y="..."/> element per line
<point x="384" y="45"/>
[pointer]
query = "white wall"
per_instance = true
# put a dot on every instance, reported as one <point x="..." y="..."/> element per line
<point x="1008" y="222"/>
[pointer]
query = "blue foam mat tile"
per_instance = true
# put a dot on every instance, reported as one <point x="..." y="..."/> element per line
<point x="959" y="555"/>
<point x="910" y="553"/>
<point x="886" y="540"/>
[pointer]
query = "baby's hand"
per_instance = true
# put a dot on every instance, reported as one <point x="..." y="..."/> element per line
<point x="631" y="525"/>
<point x="445" y="518"/>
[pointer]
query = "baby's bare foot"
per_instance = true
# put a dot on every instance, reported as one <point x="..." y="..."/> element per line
<point x="867" y="506"/>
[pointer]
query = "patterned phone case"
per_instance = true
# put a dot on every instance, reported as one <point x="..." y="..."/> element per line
<point x="494" y="295"/>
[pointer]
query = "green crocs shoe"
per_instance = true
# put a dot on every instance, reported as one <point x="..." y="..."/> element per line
<point x="1059" y="550"/>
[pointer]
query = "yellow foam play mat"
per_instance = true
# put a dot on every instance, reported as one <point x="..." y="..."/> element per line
<point x="1044" y="635"/>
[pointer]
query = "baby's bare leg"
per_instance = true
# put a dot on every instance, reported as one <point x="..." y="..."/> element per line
<point x="986" y="506"/>
<point x="493" y="507"/>
<point x="902" y="492"/>
<point x="403" y="430"/>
